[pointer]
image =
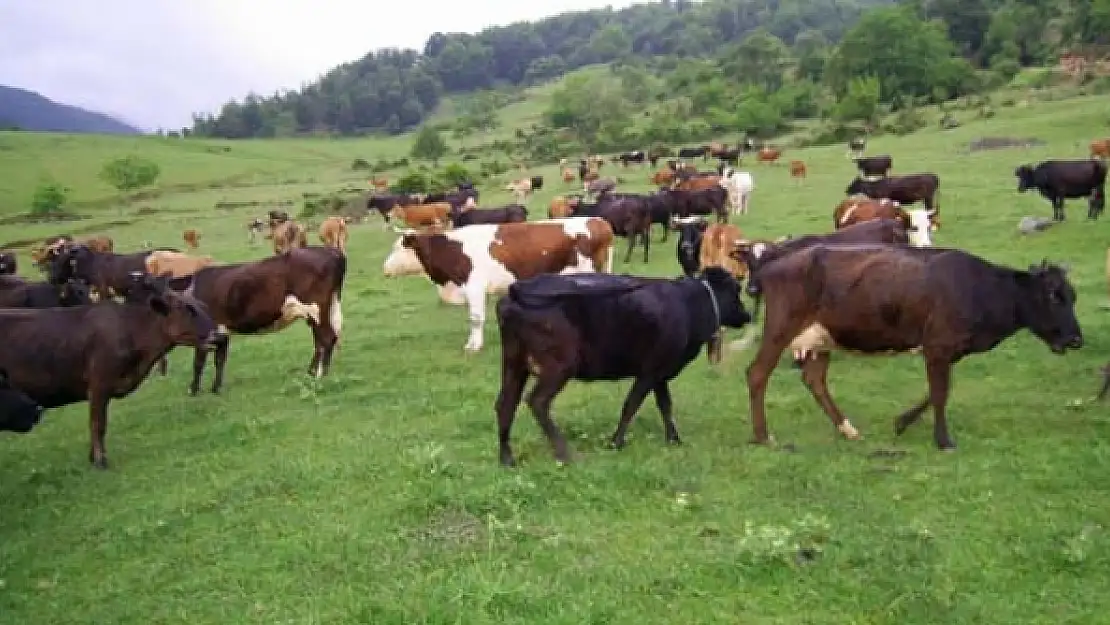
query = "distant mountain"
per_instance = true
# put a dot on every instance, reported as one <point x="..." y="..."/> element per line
<point x="28" y="110"/>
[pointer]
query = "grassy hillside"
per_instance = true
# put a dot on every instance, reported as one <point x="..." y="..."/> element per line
<point x="28" y="110"/>
<point x="374" y="495"/>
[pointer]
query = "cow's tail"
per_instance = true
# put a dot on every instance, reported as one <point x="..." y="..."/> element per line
<point x="338" y="276"/>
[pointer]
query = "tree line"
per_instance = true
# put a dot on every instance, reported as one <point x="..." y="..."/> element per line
<point x="856" y="50"/>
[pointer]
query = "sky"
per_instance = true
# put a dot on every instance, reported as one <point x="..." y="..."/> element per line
<point x="153" y="63"/>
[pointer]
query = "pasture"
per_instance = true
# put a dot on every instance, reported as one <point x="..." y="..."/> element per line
<point x="374" y="495"/>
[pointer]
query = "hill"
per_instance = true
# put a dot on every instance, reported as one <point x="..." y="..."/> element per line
<point x="27" y="110"/>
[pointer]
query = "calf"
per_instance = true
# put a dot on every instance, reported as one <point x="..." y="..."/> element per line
<point x="798" y="169"/>
<point x="289" y="235"/>
<point x="768" y="155"/>
<point x="691" y="231"/>
<point x="918" y="223"/>
<point x="268" y="296"/>
<point x="905" y="190"/>
<point x="511" y="213"/>
<point x="568" y="175"/>
<point x="174" y="264"/>
<point x="8" y="263"/>
<point x="333" y="233"/>
<point x="624" y="159"/>
<point x="61" y="356"/>
<point x="872" y="168"/>
<point x="520" y="189"/>
<point x="192" y="238"/>
<point x="604" y="327"/>
<point x="423" y="215"/>
<point x="699" y="182"/>
<point x="18" y="413"/>
<point x="717" y="244"/>
<point x="945" y="304"/>
<point x="385" y="204"/>
<point x="1059" y="180"/>
<point x="18" y="293"/>
<point x="487" y="258"/>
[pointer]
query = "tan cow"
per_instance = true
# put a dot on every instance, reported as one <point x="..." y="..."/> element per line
<point x="176" y="264"/>
<point x="423" y="215"/>
<point x="717" y="243"/>
<point x="1100" y="148"/>
<point x="562" y="207"/>
<point x="289" y="235"/>
<point x="520" y="189"/>
<point x="333" y="233"/>
<point x="798" y="169"/>
<point x="192" y="238"/>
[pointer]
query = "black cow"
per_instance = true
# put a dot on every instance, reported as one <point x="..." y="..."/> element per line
<point x="710" y="201"/>
<point x="17" y="293"/>
<point x="690" y="233"/>
<point x="856" y="147"/>
<point x="592" y="327"/>
<point x="537" y="183"/>
<point x="503" y="215"/>
<point x="384" y="203"/>
<point x="874" y="166"/>
<point x="1059" y="180"/>
<point x="628" y="215"/>
<point x="694" y="152"/>
<point x="630" y="157"/>
<point x="18" y="412"/>
<point x="107" y="272"/>
<point x="906" y="190"/>
<point x="730" y="157"/>
<point x="8" y="263"/>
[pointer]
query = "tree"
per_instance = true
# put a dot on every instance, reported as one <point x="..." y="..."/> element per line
<point x="129" y="173"/>
<point x="860" y="103"/>
<point x="585" y="104"/>
<point x="429" y="145"/>
<point x="49" y="198"/>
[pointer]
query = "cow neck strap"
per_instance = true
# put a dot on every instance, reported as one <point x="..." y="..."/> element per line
<point x="716" y="307"/>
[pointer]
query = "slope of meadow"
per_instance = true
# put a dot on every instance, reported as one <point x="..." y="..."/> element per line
<point x="374" y="495"/>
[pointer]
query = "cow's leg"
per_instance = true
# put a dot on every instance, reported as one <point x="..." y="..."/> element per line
<point x="662" y="392"/>
<point x="636" y="395"/>
<point x="631" y="244"/>
<point x="323" y="339"/>
<point x="759" y="373"/>
<point x="514" y="376"/>
<point x="476" y="303"/>
<point x="1058" y="208"/>
<point x="551" y="379"/>
<point x="163" y="366"/>
<point x="939" y="371"/>
<point x="200" y="357"/>
<point x="220" y="361"/>
<point x="645" y="234"/>
<point x="909" y="417"/>
<point x="98" y="426"/>
<point x="815" y="368"/>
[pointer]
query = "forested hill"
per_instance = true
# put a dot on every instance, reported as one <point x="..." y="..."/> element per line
<point x="26" y="110"/>
<point x="939" y="46"/>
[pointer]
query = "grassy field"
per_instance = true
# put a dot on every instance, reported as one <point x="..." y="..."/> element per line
<point x="374" y="495"/>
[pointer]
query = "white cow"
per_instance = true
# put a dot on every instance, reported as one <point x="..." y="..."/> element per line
<point x="739" y="185"/>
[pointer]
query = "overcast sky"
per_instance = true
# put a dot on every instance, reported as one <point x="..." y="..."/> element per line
<point x="154" y="62"/>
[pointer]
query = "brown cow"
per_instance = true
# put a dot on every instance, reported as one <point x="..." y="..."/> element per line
<point x="487" y="258"/>
<point x="333" y="232"/>
<point x="798" y="169"/>
<point x="568" y="175"/>
<point x="1100" y="148"/>
<point x="192" y="239"/>
<point x="875" y="299"/>
<point x="288" y="235"/>
<point x="380" y="184"/>
<point x="174" y="264"/>
<point x="717" y="244"/>
<point x="919" y="223"/>
<point x="699" y="183"/>
<point x="423" y="215"/>
<point x="563" y="206"/>
<point x="768" y="155"/>
<point x="663" y="177"/>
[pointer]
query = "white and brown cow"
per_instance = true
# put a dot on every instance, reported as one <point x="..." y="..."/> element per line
<point x="486" y="258"/>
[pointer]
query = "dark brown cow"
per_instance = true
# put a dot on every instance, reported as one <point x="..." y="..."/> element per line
<point x="97" y="353"/>
<point x="874" y="167"/>
<point x="18" y="293"/>
<point x="108" y="273"/>
<point x="945" y="304"/>
<point x="267" y="296"/>
<point x="629" y="216"/>
<point x="8" y="263"/>
<point x="906" y="190"/>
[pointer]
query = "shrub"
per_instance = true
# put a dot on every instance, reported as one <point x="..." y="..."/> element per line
<point x="411" y="182"/>
<point x="360" y="164"/>
<point x="130" y="172"/>
<point x="49" y="198"/>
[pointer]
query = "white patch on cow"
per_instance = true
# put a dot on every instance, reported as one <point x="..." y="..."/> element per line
<point x="451" y="294"/>
<point x="222" y="330"/>
<point x="921" y="228"/>
<point x="319" y="371"/>
<point x="816" y="339"/>
<point x="848" y="214"/>
<point x="402" y="261"/>
<point x="848" y="430"/>
<point x="335" y="316"/>
<point x="293" y="309"/>
<point x="759" y="249"/>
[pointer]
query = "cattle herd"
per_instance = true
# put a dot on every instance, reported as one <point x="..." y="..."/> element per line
<point x="102" y="320"/>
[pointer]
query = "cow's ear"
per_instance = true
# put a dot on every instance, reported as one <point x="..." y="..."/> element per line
<point x="4" y="381"/>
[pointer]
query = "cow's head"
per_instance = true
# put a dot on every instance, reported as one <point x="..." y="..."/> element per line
<point x="858" y="186"/>
<point x="749" y="253"/>
<point x="919" y="226"/>
<point x="402" y="259"/>
<point x="185" y="320"/>
<point x="724" y="289"/>
<point x="75" y="293"/>
<point x="8" y="264"/>
<point x="1049" y="307"/>
<point x="1025" y="178"/>
<point x="18" y="412"/>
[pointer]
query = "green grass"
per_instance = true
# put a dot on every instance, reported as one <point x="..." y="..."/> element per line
<point x="374" y="496"/>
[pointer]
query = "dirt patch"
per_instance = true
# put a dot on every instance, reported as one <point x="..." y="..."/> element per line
<point x="450" y="526"/>
<point x="1003" y="143"/>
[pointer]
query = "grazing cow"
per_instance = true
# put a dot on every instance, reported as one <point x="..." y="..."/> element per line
<point x="277" y="217"/>
<point x="174" y="264"/>
<point x="917" y="222"/>
<point x="333" y="233"/>
<point x="768" y="154"/>
<point x="946" y="304"/>
<point x="703" y="152"/>
<point x="872" y="168"/>
<point x="690" y="232"/>
<point x="18" y="413"/>
<point x="603" y="327"/>
<point x="61" y="356"/>
<point x="423" y="215"/>
<point x="18" y="293"/>
<point x="637" y="156"/>
<point x="663" y="177"/>
<point x="487" y="258"/>
<point x="563" y="206"/>
<point x="797" y="169"/>
<point x="520" y="189"/>
<point x="288" y="235"/>
<point x="511" y="213"/>
<point x="739" y="185"/>
<point x="537" y="182"/>
<point x="708" y="201"/>
<point x="385" y="204"/>
<point x="1059" y="180"/>
<point x="106" y="272"/>
<point x="856" y="147"/>
<point x="568" y="175"/>
<point x="8" y="263"/>
<point x="730" y="157"/>
<point x="699" y="182"/>
<point x="906" y="190"/>
<point x="1100" y="148"/>
<point x="717" y="243"/>
<point x="268" y="296"/>
<point x="192" y="238"/>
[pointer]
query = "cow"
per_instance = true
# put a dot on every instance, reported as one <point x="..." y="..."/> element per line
<point x="18" y="293"/>
<point x="624" y="159"/>
<point x="18" y="413"/>
<point x="703" y="152"/>
<point x="712" y="200"/>
<point x="269" y="295"/>
<point x="628" y="215"/>
<point x="423" y="215"/>
<point x="600" y="186"/>
<point x="510" y="213"/>
<point x="1060" y="180"/>
<point x="730" y="157"/>
<point x="379" y="184"/>
<point x="717" y="243"/>
<point x="333" y="233"/>
<point x="191" y="238"/>
<point x="768" y="154"/>
<point x="385" y="204"/>
<point x="663" y="177"/>
<point x="520" y="189"/>
<point x="690" y="232"/>
<point x="604" y="327"/>
<point x="943" y="303"/>
<point x="108" y="273"/>
<point x="739" y="185"/>
<point x="698" y="182"/>
<point x="487" y="258"/>
<point x="873" y="168"/>
<point x="254" y="228"/>
<point x="174" y="264"/>
<point x="276" y="217"/>
<point x="798" y="169"/>
<point x="906" y="190"/>
<point x="288" y="235"/>
<point x="536" y="182"/>
<point x="1100" y="148"/>
<point x="9" y="265"/>
<point x="563" y="206"/>
<point x="568" y="175"/>
<point x="97" y="353"/>
<point x="856" y="147"/>
<point x="917" y="222"/>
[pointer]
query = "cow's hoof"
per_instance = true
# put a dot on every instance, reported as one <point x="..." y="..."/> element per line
<point x="948" y="446"/>
<point x="100" y="463"/>
<point x="755" y="440"/>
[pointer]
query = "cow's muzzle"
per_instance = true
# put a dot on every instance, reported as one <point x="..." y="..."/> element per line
<point x="1061" y="347"/>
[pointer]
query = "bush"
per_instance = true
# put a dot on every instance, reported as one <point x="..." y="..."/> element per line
<point x="411" y="182"/>
<point x="49" y="198"/>
<point x="130" y="172"/>
<point x="360" y="164"/>
<point x="455" y="173"/>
